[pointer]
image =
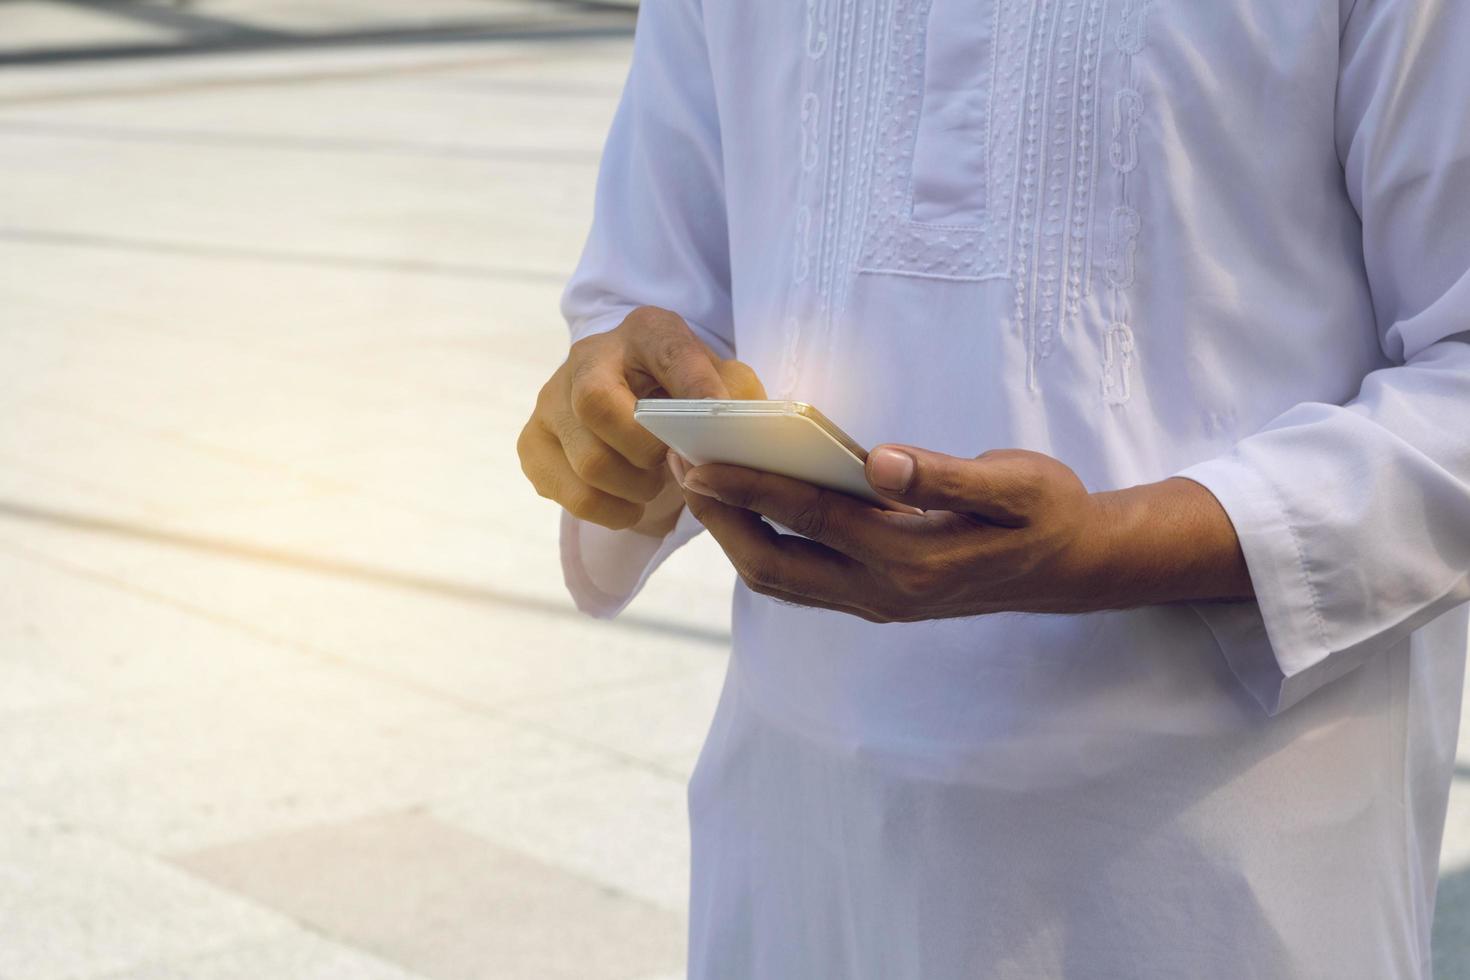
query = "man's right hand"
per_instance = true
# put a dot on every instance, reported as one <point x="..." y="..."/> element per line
<point x="582" y="447"/>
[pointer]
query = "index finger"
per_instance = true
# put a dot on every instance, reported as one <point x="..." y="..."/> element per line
<point x="679" y="362"/>
<point x="773" y="563"/>
<point x="844" y="523"/>
<point x="603" y="402"/>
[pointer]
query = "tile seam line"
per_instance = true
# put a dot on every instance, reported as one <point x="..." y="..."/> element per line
<point x="226" y="252"/>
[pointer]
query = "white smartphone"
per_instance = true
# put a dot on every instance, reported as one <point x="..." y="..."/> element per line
<point x="783" y="437"/>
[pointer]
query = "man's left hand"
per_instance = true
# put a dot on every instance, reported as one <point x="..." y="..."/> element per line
<point x="1009" y="530"/>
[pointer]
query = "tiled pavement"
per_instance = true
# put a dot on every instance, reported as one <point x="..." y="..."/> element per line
<point x="288" y="683"/>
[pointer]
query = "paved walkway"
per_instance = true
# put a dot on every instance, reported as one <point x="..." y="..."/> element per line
<point x="288" y="683"/>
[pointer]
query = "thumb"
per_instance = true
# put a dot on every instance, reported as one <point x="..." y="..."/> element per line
<point x="741" y="379"/>
<point x="997" y="486"/>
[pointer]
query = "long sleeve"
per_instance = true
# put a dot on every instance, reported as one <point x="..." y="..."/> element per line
<point x="658" y="238"/>
<point x="1355" y="519"/>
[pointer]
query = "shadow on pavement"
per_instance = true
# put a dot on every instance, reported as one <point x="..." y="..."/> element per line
<point x="343" y="569"/>
<point x="196" y="32"/>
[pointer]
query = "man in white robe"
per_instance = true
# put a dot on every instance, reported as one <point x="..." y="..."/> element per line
<point x="1160" y="310"/>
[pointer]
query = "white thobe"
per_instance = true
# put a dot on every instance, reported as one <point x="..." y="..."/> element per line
<point x="1227" y="239"/>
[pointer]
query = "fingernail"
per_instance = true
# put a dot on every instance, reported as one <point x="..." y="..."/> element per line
<point x="891" y="469"/>
<point x="676" y="466"/>
<point x="693" y="482"/>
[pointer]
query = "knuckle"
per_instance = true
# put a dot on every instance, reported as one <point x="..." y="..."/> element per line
<point x="580" y="348"/>
<point x="915" y="579"/>
<point x="592" y="464"/>
<point x="657" y="320"/>
<point x="538" y="483"/>
<point x="762" y="576"/>
<point x="579" y="454"/>
<point x="670" y="352"/>
<point x="877" y="615"/>
<point x="811" y="520"/>
<point x="523" y="447"/>
<point x="532" y="467"/>
<point x="756" y="586"/>
<point x="543" y="395"/>
<point x="581" y="502"/>
<point x="592" y="403"/>
<point x="956" y="485"/>
<point x="591" y="351"/>
<point x="649" y="457"/>
<point x="894" y="607"/>
<point x="545" y="488"/>
<point x="647" y="314"/>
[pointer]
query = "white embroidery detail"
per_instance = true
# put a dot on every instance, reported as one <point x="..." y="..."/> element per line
<point x="1127" y="111"/>
<point x="1125" y="224"/>
<point x="867" y="77"/>
<point x="1025" y="226"/>
<point x="803" y="303"/>
<point x="892" y="242"/>
<point x="1080" y="243"/>
<point x="1133" y="27"/>
<point x="1123" y="228"/>
<point x="816" y="29"/>
<point x="803" y="244"/>
<point x="810" y="145"/>
<point x="857" y="120"/>
<point x="1041" y="149"/>
<point x="1068" y="175"/>
<point x="1117" y="363"/>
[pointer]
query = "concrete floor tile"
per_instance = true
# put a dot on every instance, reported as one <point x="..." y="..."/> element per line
<point x="465" y="636"/>
<point x="30" y="25"/>
<point x="446" y="903"/>
<point x="27" y="480"/>
<point x="165" y="729"/>
<point x="125" y="644"/>
<point x="624" y="827"/>
<point x="85" y="444"/>
<point x="412" y="117"/>
<point x="25" y="687"/>
<point x="74" y="905"/>
<point x="277" y="751"/>
<point x="354" y="210"/>
<point x="294" y="955"/>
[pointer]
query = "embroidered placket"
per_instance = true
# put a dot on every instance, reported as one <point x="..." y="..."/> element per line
<point x="1125" y="223"/>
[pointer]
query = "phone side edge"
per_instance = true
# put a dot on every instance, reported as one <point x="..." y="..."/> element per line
<point x="811" y="413"/>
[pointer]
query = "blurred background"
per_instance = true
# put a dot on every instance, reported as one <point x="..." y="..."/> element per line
<point x="289" y="685"/>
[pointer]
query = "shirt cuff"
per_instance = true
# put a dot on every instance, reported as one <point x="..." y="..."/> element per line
<point x="605" y="569"/>
<point x="1276" y="644"/>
